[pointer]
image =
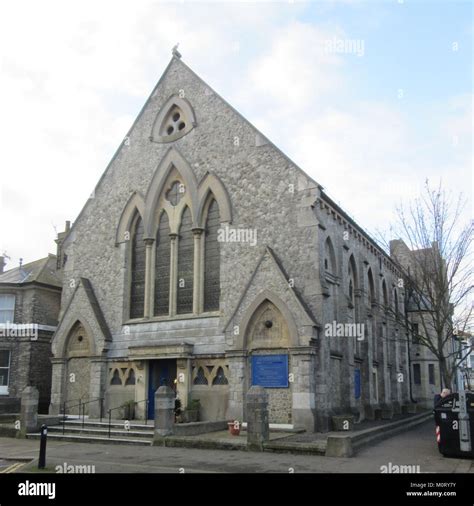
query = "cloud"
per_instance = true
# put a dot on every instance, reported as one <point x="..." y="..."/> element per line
<point x="75" y="74"/>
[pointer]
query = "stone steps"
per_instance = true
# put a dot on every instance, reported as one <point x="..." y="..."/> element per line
<point x="95" y="431"/>
<point x="114" y="424"/>
<point x="93" y="439"/>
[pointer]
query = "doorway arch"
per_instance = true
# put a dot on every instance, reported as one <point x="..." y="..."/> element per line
<point x="78" y="368"/>
<point x="267" y="339"/>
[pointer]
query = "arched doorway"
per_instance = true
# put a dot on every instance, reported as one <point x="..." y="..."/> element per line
<point x="268" y="340"/>
<point x="78" y="369"/>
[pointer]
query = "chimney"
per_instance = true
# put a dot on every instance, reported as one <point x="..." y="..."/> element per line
<point x="60" y="261"/>
<point x="2" y="264"/>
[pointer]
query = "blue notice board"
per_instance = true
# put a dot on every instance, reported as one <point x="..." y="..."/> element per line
<point x="357" y="383"/>
<point x="270" y="371"/>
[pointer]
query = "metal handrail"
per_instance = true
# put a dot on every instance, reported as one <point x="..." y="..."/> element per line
<point x="65" y="403"/>
<point x="82" y="408"/>
<point x="121" y="406"/>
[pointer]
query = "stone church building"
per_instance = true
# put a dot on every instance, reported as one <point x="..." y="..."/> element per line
<point x="208" y="261"/>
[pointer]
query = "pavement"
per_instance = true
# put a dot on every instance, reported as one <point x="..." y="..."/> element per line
<point x="415" y="448"/>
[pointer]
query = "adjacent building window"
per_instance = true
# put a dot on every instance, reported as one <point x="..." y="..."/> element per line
<point x="417" y="374"/>
<point x="4" y="371"/>
<point x="431" y="374"/>
<point x="7" y="308"/>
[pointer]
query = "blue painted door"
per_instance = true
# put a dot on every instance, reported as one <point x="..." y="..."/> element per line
<point x="160" y="372"/>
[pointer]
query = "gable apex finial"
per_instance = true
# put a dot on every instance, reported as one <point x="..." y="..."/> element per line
<point x="175" y="51"/>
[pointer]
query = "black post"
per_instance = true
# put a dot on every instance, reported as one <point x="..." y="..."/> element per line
<point x="101" y="407"/>
<point x="83" y="414"/>
<point x="64" y="417"/>
<point x="110" y="420"/>
<point x="42" y="454"/>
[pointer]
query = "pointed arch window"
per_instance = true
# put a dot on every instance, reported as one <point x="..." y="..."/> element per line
<point x="162" y="267"/>
<point x="329" y="257"/>
<point x="185" y="264"/>
<point x="212" y="259"/>
<point x="220" y="378"/>
<point x="131" y="378"/>
<point x="371" y="288"/>
<point x="384" y="295"/>
<point x="116" y="380"/>
<point x="395" y="302"/>
<point x="137" y="285"/>
<point x="200" y="378"/>
<point x="351" y="271"/>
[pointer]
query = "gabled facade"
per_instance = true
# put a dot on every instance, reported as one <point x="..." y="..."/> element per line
<point x="207" y="260"/>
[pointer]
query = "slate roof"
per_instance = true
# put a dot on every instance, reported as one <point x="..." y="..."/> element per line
<point x="40" y="271"/>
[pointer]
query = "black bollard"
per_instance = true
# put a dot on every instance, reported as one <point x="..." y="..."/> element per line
<point x="42" y="455"/>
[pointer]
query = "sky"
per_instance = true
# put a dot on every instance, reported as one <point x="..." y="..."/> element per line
<point x="370" y="98"/>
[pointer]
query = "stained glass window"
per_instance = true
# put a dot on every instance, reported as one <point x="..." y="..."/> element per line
<point x="116" y="378"/>
<point x="220" y="378"/>
<point x="137" y="289"/>
<point x="185" y="265"/>
<point x="162" y="267"/>
<point x="211" y="260"/>
<point x="200" y="378"/>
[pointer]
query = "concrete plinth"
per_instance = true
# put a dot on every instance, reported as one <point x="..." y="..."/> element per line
<point x="258" y="430"/>
<point x="164" y="411"/>
<point x="29" y="410"/>
<point x="339" y="446"/>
